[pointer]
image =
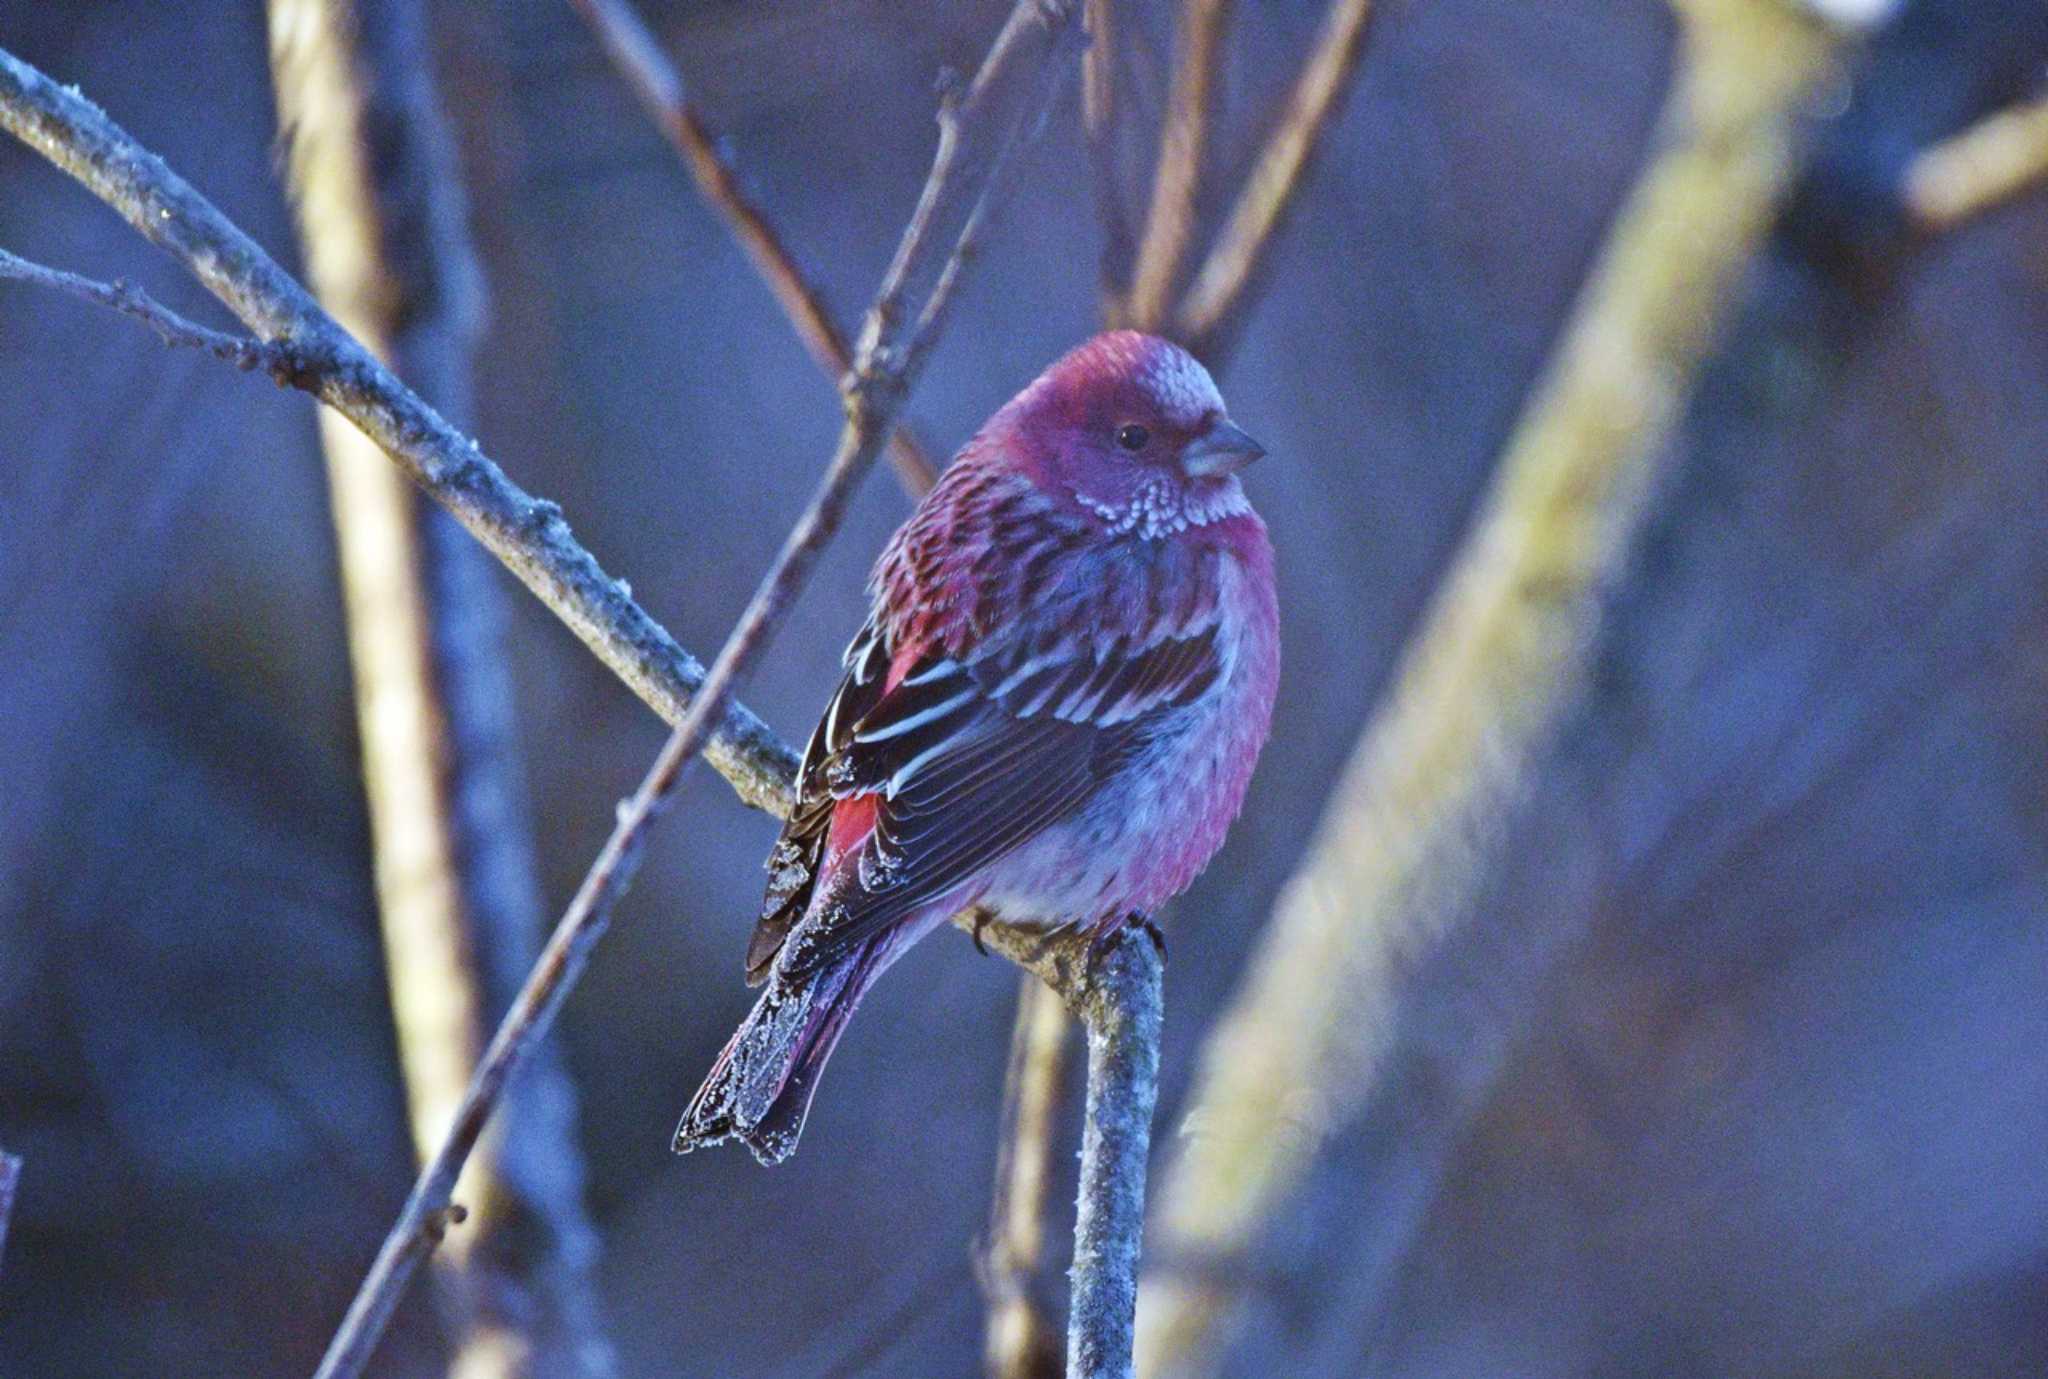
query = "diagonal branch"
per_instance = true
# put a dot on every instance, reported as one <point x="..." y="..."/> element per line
<point x="978" y="131"/>
<point x="174" y="330"/>
<point x="1213" y="307"/>
<point x="1499" y="658"/>
<point x="1183" y="145"/>
<point x="657" y="84"/>
<point x="526" y="534"/>
<point x="1983" y="167"/>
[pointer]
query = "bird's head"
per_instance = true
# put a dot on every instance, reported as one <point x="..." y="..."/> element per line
<point x="1130" y="428"/>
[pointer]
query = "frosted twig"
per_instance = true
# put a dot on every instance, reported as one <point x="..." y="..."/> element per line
<point x="1117" y="994"/>
<point x="171" y="328"/>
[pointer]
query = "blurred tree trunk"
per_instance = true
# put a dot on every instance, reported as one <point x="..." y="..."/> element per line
<point x="381" y="218"/>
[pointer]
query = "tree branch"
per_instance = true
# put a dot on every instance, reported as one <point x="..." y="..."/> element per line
<point x="1116" y="991"/>
<point x="1183" y="145"/>
<point x="1499" y="658"/>
<point x="639" y="59"/>
<point x="378" y="199"/>
<point x="1020" y="1343"/>
<point x="527" y="534"/>
<point x="977" y="134"/>
<point x="1981" y="168"/>
<point x="173" y="329"/>
<point x="10" y="1178"/>
<point x="1213" y="307"/>
<point x="1101" y="122"/>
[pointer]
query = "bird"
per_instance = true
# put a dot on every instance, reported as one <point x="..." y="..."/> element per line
<point x="1052" y="711"/>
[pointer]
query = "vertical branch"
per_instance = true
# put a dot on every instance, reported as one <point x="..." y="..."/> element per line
<point x="1497" y="660"/>
<point x="321" y="103"/>
<point x="1183" y="145"/>
<point x="657" y="84"/>
<point x="380" y="215"/>
<point x="10" y="1178"/>
<point x="1020" y="1344"/>
<point x="1213" y="306"/>
<point x="1117" y="992"/>
<point x="1122" y="1012"/>
<point x="978" y="132"/>
<point x="1100" y="119"/>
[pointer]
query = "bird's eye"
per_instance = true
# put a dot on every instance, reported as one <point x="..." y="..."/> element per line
<point x="1132" y="437"/>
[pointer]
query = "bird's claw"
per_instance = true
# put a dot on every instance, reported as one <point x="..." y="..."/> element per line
<point x="1105" y="934"/>
<point x="1153" y="932"/>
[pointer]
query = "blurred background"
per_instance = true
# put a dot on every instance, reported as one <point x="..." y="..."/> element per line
<point x="1761" y="953"/>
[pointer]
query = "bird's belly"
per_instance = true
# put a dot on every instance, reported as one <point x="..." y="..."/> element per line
<point x="1138" y="843"/>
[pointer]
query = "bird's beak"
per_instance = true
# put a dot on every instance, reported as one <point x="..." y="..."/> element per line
<point x="1222" y="449"/>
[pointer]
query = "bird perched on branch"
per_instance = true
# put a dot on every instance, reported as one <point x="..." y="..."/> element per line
<point x="1052" y="711"/>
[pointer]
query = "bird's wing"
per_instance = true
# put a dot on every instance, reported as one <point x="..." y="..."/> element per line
<point x="966" y="759"/>
<point x="793" y="864"/>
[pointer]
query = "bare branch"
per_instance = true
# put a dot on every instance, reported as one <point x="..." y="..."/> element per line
<point x="1209" y="313"/>
<point x="379" y="205"/>
<point x="1498" y="659"/>
<point x="977" y="133"/>
<point x="1101" y="119"/>
<point x="657" y="84"/>
<point x="1116" y="993"/>
<point x="527" y="534"/>
<point x="1983" y="167"/>
<point x="171" y="328"/>
<point x="1021" y="1344"/>
<point x="10" y="1177"/>
<point x="1183" y="144"/>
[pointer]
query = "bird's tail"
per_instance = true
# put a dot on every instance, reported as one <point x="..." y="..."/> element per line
<point x="760" y="1089"/>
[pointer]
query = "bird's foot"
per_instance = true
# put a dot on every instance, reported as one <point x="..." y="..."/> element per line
<point x="1106" y="934"/>
<point x="1151" y="931"/>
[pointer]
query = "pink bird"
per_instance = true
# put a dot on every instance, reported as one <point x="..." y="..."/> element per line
<point x="1052" y="711"/>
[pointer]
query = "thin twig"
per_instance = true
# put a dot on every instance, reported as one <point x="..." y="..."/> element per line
<point x="381" y="216"/>
<point x="1209" y="313"/>
<point x="527" y="534"/>
<point x="1183" y="145"/>
<point x="1499" y="658"/>
<point x="658" y="85"/>
<point x="173" y="329"/>
<point x="977" y="134"/>
<point x="10" y="1177"/>
<point x="1100" y="118"/>
<point x="1020" y="1344"/>
<point x="1975" y="171"/>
